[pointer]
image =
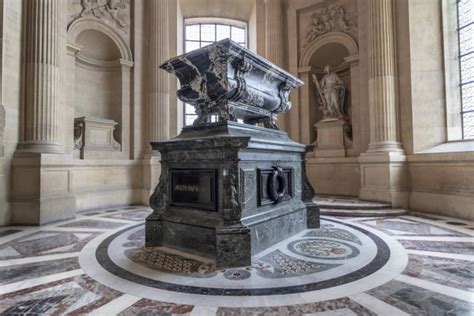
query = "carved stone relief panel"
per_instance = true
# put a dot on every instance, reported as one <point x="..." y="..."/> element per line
<point x="113" y="12"/>
<point x="338" y="17"/>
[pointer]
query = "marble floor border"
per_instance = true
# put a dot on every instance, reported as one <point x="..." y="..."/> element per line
<point x="21" y="285"/>
<point x="441" y="255"/>
<point x="375" y="305"/>
<point x="439" y="288"/>
<point x="394" y="266"/>
<point x="26" y="260"/>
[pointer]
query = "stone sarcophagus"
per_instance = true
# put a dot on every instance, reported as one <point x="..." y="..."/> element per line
<point x="228" y="189"/>
<point x="231" y="82"/>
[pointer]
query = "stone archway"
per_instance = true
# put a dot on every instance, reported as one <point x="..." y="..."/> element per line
<point x="333" y="37"/>
<point x="349" y="63"/>
<point x="119" y="65"/>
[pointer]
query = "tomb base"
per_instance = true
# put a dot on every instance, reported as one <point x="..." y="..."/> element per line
<point x="228" y="191"/>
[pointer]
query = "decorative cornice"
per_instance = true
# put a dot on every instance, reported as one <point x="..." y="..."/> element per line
<point x="72" y="49"/>
<point x="95" y="64"/>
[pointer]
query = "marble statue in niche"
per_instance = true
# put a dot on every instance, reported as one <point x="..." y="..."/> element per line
<point x="334" y="130"/>
<point x="110" y="11"/>
<point x="331" y="93"/>
<point x="333" y="18"/>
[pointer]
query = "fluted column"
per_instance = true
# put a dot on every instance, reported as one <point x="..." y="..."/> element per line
<point x="158" y="94"/>
<point x="274" y="39"/>
<point x="41" y="81"/>
<point x="384" y="135"/>
<point x="275" y="51"/>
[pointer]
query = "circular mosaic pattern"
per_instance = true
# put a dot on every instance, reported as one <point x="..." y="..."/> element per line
<point x="311" y="261"/>
<point x="238" y="274"/>
<point x="323" y="249"/>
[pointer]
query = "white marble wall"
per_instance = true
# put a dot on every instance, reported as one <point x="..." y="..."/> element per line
<point x="10" y="97"/>
<point x="429" y="178"/>
<point x="437" y="181"/>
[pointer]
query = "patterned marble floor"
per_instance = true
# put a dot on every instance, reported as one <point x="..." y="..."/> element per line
<point x="416" y="264"/>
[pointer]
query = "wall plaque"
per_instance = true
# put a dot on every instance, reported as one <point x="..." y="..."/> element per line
<point x="274" y="185"/>
<point x="194" y="188"/>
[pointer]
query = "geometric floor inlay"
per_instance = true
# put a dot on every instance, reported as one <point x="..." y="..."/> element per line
<point x="311" y="262"/>
<point x="414" y="264"/>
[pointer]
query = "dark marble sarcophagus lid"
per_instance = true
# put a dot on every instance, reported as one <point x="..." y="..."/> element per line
<point x="231" y="82"/>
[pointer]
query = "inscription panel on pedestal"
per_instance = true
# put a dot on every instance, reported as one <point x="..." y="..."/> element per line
<point x="196" y="188"/>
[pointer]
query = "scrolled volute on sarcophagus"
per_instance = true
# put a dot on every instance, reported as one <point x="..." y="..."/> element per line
<point x="231" y="82"/>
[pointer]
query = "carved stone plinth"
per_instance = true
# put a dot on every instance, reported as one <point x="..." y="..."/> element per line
<point x="94" y="136"/>
<point x="228" y="191"/>
<point x="330" y="138"/>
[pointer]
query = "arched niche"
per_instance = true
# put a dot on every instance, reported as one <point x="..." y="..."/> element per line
<point x="100" y="63"/>
<point x="341" y="52"/>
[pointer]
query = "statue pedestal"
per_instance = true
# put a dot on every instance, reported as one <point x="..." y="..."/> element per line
<point x="330" y="138"/>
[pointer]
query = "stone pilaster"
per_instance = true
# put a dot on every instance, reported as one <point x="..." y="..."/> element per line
<point x="275" y="50"/>
<point x="305" y="127"/>
<point x="383" y="166"/>
<point x="274" y="39"/>
<point x="41" y="179"/>
<point x="41" y="81"/>
<point x="158" y="89"/>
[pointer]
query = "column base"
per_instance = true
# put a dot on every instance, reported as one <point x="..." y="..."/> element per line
<point x="39" y="147"/>
<point x="384" y="178"/>
<point x="384" y="147"/>
<point x="41" y="189"/>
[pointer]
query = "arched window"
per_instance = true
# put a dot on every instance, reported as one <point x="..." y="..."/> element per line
<point x="465" y="30"/>
<point x="200" y="32"/>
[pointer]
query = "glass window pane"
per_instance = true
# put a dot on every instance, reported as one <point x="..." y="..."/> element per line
<point x="189" y="109"/>
<point x="468" y="122"/>
<point x="467" y="68"/>
<point x="466" y="39"/>
<point x="203" y="44"/>
<point x="208" y="32"/>
<point x="190" y="119"/>
<point x="465" y="11"/>
<point x="223" y="32"/>
<point x="192" y="32"/>
<point x="468" y="97"/>
<point x="238" y="34"/>
<point x="190" y="46"/>
<point x="201" y="35"/>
